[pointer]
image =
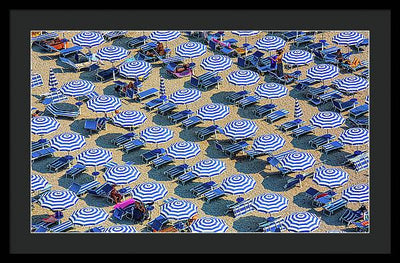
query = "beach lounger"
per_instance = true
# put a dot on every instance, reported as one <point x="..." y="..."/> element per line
<point x="323" y="198"/>
<point x="177" y="170"/>
<point x="344" y="106"/>
<point x="154" y="103"/>
<point x="180" y="116"/>
<point x="41" y="153"/>
<point x="331" y="146"/>
<point x="107" y="75"/>
<point x="77" y="67"/>
<point x="268" y="222"/>
<point x="212" y="194"/>
<point x="361" y="164"/>
<point x="53" y="97"/>
<point x="326" y="97"/>
<point x="318" y="141"/>
<point x="174" y="59"/>
<point x="359" y="111"/>
<point x="233" y="149"/>
<point x="303" y="130"/>
<point x="349" y="68"/>
<point x="133" y="145"/>
<point x="240" y="208"/>
<point x="260" y="111"/>
<point x="40" y="144"/>
<point x="247" y="101"/>
<point x="114" y="35"/>
<point x="350" y="215"/>
<point x="292" y="35"/>
<point x="161" y="161"/>
<point x="354" y="157"/>
<point x="290" y="125"/>
<point x="274" y="161"/>
<point x="315" y="92"/>
<point x="316" y="46"/>
<point x="57" y="112"/>
<point x="252" y="154"/>
<point x="303" y="40"/>
<point x="362" y="122"/>
<point x="276" y="115"/>
<point x="60" y="162"/>
<point x="124" y="138"/>
<point x="334" y="206"/>
<point x="172" y="69"/>
<point x="136" y="42"/>
<point x="152" y="154"/>
<point x="198" y="190"/>
<point x="364" y="73"/>
<point x="166" y="108"/>
<point x="80" y="189"/>
<point x="157" y="223"/>
<point x="214" y="81"/>
<point x="303" y="84"/>
<point x="237" y="96"/>
<point x="322" y="53"/>
<point x="190" y="122"/>
<point x="272" y="225"/>
<point x="63" y="227"/>
<point x="186" y="177"/>
<point x="296" y="181"/>
<point x="146" y="94"/>
<point x="95" y="125"/>
<point x="208" y="131"/>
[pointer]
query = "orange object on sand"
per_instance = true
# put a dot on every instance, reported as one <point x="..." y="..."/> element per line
<point x="50" y="219"/>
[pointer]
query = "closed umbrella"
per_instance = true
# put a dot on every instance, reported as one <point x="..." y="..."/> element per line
<point x="53" y="82"/>
<point x="298" y="112"/>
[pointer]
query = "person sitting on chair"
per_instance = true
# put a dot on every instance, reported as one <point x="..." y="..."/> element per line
<point x="117" y="197"/>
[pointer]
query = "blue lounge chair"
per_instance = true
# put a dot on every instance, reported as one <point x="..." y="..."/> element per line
<point x="344" y="106"/>
<point x="349" y="159"/>
<point x="154" y="103"/>
<point x="286" y="78"/>
<point x="318" y="141"/>
<point x="53" y="97"/>
<point x="166" y="108"/>
<point x="57" y="112"/>
<point x="186" y="177"/>
<point x="347" y="67"/>
<point x="289" y="125"/>
<point x="214" y="81"/>
<point x="296" y="181"/>
<point x="133" y="145"/>
<point x="237" y="96"/>
<point x="362" y="121"/>
<point x="190" y="122"/>
<point x="212" y="194"/>
<point x="322" y="53"/>
<point x="247" y="101"/>
<point x="60" y="162"/>
<point x="292" y="35"/>
<point x="252" y="154"/>
<point x="208" y="131"/>
<point x="180" y="116"/>
<point x="136" y="42"/>
<point x="174" y="59"/>
<point x="198" y="190"/>
<point x="303" y="130"/>
<point x="124" y="138"/>
<point x="111" y="35"/>
<point x="80" y="189"/>
<point x="260" y="111"/>
<point x="359" y="111"/>
<point x="303" y="84"/>
<point x="152" y="154"/>
<point x="41" y="153"/>
<point x="316" y="46"/>
<point x="77" y="67"/>
<point x="240" y="208"/>
<point x="331" y="146"/>
<point x="276" y="115"/>
<point x="350" y="215"/>
<point x="324" y="198"/>
<point x="40" y="144"/>
<point x="107" y="75"/>
<point x="157" y="223"/>
<point x="334" y="206"/>
<point x="95" y="125"/>
<point x="232" y="149"/>
<point x="326" y="97"/>
<point x="177" y="170"/>
<point x="63" y="227"/>
<point x="315" y="92"/>
<point x="196" y="81"/>
<point x="306" y="39"/>
<point x="161" y="161"/>
<point x="146" y="94"/>
<point x="361" y="164"/>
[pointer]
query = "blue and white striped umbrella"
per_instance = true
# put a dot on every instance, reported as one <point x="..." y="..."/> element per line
<point x="178" y="210"/>
<point x="208" y="224"/>
<point x="243" y="77"/>
<point x="77" y="88"/>
<point x="208" y="168"/>
<point x="149" y="192"/>
<point x="301" y="222"/>
<point x="88" y="39"/>
<point x="268" y="143"/>
<point x="297" y="110"/>
<point x="356" y="193"/>
<point x="213" y="111"/>
<point x="270" y="43"/>
<point x="38" y="182"/>
<point x="352" y="84"/>
<point x="120" y="229"/>
<point x="53" y="82"/>
<point x="135" y="69"/>
<point x="162" y="88"/>
<point x="94" y="157"/>
<point x="327" y="119"/>
<point x="348" y="38"/>
<point x="271" y="90"/>
<point x="121" y="174"/>
<point x="367" y="100"/>
<point x="354" y="136"/>
<point x="270" y="203"/>
<point x="156" y="134"/>
<point x="104" y="103"/>
<point x="240" y="129"/>
<point x="238" y="184"/>
<point x="129" y="118"/>
<point x="88" y="216"/>
<point x="298" y="161"/>
<point x="36" y="80"/>
<point x="216" y="63"/>
<point x="297" y="57"/>
<point x="164" y="36"/>
<point x="323" y="72"/>
<point x="58" y="200"/>
<point x="43" y="124"/>
<point x="185" y="96"/>
<point x="191" y="50"/>
<point x="245" y="33"/>
<point x="331" y="177"/>
<point x="68" y="141"/>
<point x="183" y="150"/>
<point x="112" y="53"/>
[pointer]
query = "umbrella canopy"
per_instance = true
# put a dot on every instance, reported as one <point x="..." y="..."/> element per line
<point x="270" y="203"/>
<point x="149" y="192"/>
<point x="38" y="182"/>
<point x="178" y="210"/>
<point x="348" y="38"/>
<point x="270" y="43"/>
<point x="57" y="200"/>
<point x="120" y="229"/>
<point x="356" y="193"/>
<point x="53" y="82"/>
<point x="355" y="136"/>
<point x="94" y="157"/>
<point x="208" y="225"/>
<point x="238" y="184"/>
<point x="156" y="134"/>
<point x="240" y="129"/>
<point x="191" y="50"/>
<point x="352" y="84"/>
<point x="298" y="161"/>
<point x="112" y="53"/>
<point x="216" y="63"/>
<point x="367" y="100"/>
<point x="36" y="80"/>
<point x="243" y="77"/>
<point x="88" y="39"/>
<point x="323" y="72"/>
<point x="121" y="174"/>
<point x="331" y="177"/>
<point x="185" y="96"/>
<point x="135" y="69"/>
<point x="77" y="88"/>
<point x="88" y="216"/>
<point x="297" y="57"/>
<point x="164" y="36"/>
<point x="271" y="90"/>
<point x="104" y="103"/>
<point x="213" y="111"/>
<point x="297" y="110"/>
<point x="327" y="119"/>
<point x="268" y="143"/>
<point x="301" y="222"/>
<point x="129" y="118"/>
<point x="245" y="33"/>
<point x="208" y="168"/>
<point x="183" y="150"/>
<point x="68" y="141"/>
<point x="42" y="125"/>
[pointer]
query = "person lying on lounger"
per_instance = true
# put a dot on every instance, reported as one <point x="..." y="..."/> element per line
<point x="159" y="49"/>
<point x="36" y="113"/>
<point x="117" y="197"/>
<point x="182" y="68"/>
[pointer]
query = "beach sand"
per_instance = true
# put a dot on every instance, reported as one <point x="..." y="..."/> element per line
<point x="268" y="181"/>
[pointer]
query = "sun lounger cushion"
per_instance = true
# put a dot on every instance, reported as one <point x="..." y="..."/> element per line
<point x="276" y="115"/>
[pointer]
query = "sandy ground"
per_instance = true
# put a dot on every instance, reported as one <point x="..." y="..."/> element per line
<point x="268" y="181"/>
